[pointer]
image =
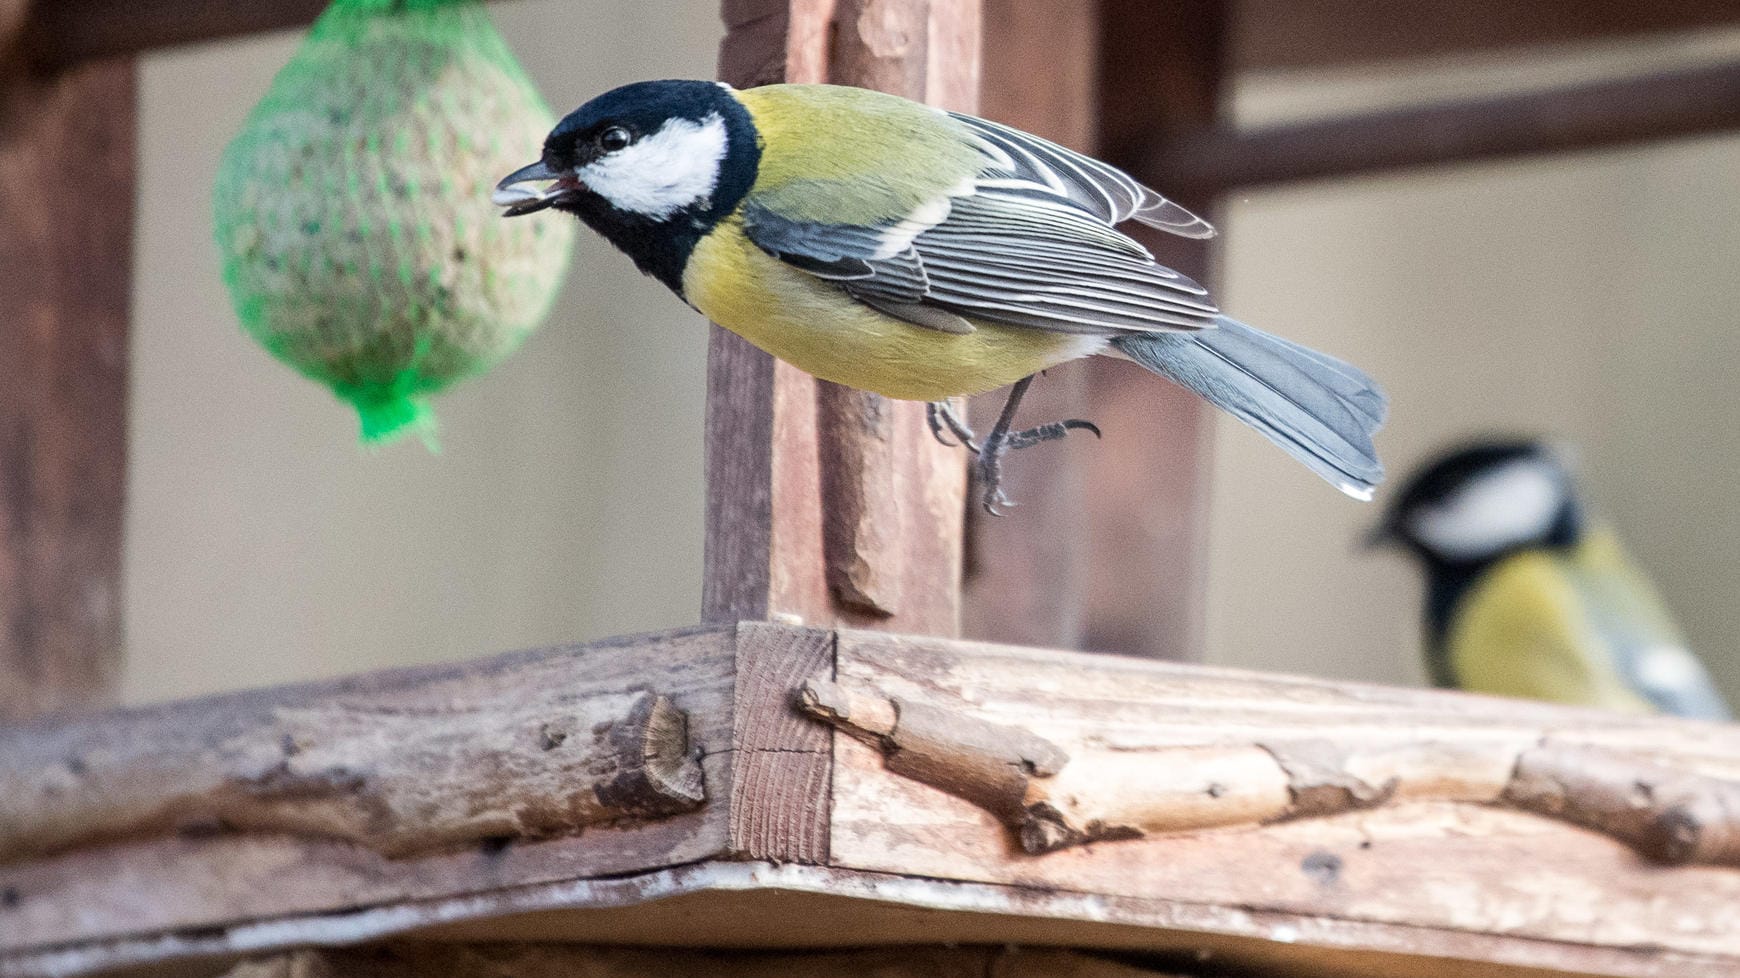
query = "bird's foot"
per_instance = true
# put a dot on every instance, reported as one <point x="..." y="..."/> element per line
<point x="999" y="444"/>
<point x="1048" y="432"/>
<point x="944" y="422"/>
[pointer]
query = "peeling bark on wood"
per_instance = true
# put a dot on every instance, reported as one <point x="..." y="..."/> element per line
<point x="1277" y="794"/>
<point x="1027" y="783"/>
<point x="397" y="786"/>
<point x="1671" y="816"/>
<point x="400" y="778"/>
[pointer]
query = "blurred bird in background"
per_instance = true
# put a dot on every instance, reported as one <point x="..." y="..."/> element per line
<point x="1525" y="598"/>
<point x="924" y="255"/>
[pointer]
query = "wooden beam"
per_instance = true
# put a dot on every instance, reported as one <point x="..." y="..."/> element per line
<point x="66" y="242"/>
<point x="1595" y="115"/>
<point x="998" y="795"/>
<point x="1161" y="71"/>
<point x="832" y="505"/>
<point x="68" y="32"/>
<point x="1295" y="34"/>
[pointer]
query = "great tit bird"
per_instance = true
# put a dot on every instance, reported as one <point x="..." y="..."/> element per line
<point x="923" y="255"/>
<point x="1525" y="598"/>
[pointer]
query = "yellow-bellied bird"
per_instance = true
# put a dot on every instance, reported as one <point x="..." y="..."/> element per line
<point x="923" y="255"/>
<point x="1525" y="598"/>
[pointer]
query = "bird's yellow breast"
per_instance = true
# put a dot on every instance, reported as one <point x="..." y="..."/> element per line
<point x="1524" y="630"/>
<point x="818" y="328"/>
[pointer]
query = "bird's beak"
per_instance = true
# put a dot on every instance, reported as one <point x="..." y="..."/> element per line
<point x="513" y="194"/>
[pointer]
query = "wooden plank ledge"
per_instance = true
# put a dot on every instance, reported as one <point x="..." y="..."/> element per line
<point x="1274" y="821"/>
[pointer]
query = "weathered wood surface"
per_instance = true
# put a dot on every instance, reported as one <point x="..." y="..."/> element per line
<point x="397" y="786"/>
<point x="753" y="905"/>
<point x="1283" y="822"/>
<point x="779" y="789"/>
<point x="505" y="757"/>
<point x="65" y="283"/>
<point x="558" y="961"/>
<point x="1256" y="748"/>
<point x="1029" y="784"/>
<point x="1590" y="115"/>
<point x="824" y="503"/>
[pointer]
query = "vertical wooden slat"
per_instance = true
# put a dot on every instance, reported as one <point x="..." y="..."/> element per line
<point x="832" y="505"/>
<point x="66" y="227"/>
<point x="1027" y="572"/>
<point x="1160" y="72"/>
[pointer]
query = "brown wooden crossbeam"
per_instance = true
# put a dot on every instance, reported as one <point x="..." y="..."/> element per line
<point x="985" y="794"/>
<point x="1586" y="116"/>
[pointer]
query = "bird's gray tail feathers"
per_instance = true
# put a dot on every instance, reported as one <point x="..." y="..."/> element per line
<point x="1321" y="410"/>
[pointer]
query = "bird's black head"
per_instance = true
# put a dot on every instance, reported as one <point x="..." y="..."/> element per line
<point x="651" y="166"/>
<point x="1483" y="501"/>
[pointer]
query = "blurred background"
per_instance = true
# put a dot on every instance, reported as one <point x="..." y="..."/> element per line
<point x="1588" y="295"/>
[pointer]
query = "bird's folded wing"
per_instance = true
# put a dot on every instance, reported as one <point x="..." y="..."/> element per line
<point x="1099" y="188"/>
<point x="992" y="251"/>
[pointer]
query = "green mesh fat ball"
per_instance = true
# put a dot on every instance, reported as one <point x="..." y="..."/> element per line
<point x="353" y="214"/>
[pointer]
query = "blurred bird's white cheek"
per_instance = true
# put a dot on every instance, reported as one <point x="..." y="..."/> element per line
<point x="662" y="173"/>
<point x="1503" y="508"/>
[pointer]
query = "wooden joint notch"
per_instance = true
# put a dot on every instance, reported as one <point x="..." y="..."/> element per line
<point x="402" y="783"/>
<point x="1051" y="802"/>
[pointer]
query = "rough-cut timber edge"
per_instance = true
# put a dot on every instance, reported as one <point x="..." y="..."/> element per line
<point x="784" y="449"/>
<point x="1671" y="816"/>
<point x="758" y="905"/>
<point x="564" y="961"/>
<point x="399" y="768"/>
<point x="781" y="763"/>
<point x="65" y="285"/>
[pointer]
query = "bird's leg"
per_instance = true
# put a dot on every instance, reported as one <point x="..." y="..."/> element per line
<point x="996" y="443"/>
<point x="944" y="422"/>
<point x="1002" y="440"/>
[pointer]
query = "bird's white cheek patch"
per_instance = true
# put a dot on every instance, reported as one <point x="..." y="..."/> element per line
<point x="1502" y="508"/>
<point x="664" y="172"/>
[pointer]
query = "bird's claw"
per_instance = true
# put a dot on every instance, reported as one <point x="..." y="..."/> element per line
<point x="943" y="421"/>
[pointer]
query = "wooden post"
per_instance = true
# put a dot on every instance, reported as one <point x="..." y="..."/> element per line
<point x="828" y="504"/>
<point x="1160" y="75"/>
<point x="1027" y="573"/>
<point x="66" y="230"/>
<point x="1106" y="550"/>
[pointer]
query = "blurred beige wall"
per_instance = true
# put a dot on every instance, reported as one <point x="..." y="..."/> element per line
<point x="264" y="545"/>
<point x="1592" y="296"/>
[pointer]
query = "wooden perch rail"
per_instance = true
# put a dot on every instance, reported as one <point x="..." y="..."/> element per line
<point x="399" y="774"/>
<point x="1030" y="785"/>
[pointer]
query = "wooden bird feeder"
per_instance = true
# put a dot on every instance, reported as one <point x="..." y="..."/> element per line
<point x="821" y="777"/>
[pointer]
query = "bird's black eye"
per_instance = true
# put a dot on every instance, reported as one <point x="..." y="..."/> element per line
<point x="614" y="138"/>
